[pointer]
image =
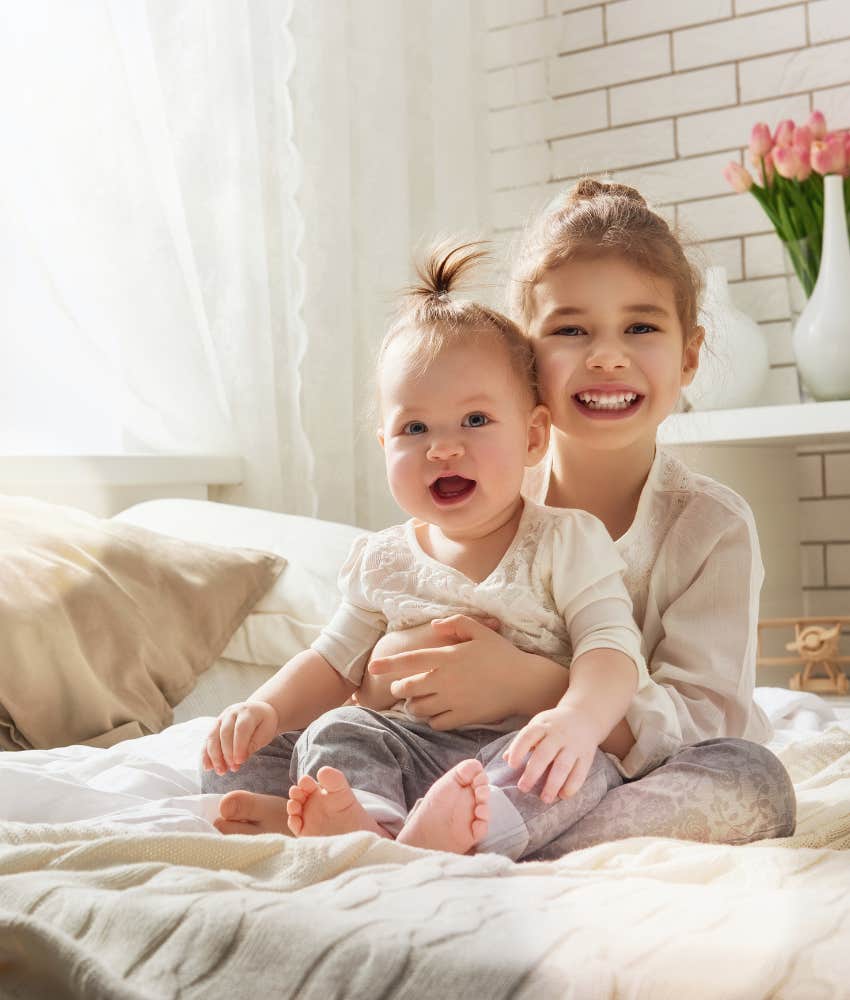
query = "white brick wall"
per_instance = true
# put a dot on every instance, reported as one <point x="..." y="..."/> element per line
<point x="660" y="95"/>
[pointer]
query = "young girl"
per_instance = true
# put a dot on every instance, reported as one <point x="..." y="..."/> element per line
<point x="460" y="423"/>
<point x="610" y="300"/>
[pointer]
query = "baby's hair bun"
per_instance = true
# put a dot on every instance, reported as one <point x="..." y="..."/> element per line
<point x="444" y="266"/>
<point x="588" y="188"/>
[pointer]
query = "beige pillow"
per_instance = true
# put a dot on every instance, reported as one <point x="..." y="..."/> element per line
<point x="105" y="626"/>
<point x="302" y="599"/>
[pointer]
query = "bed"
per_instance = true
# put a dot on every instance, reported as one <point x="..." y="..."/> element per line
<point x="114" y="884"/>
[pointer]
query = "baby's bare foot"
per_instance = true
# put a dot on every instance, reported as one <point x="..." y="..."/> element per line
<point x="326" y="807"/>
<point x="454" y="814"/>
<point x="249" y="812"/>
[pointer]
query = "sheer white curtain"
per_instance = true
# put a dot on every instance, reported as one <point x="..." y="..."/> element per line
<point x="200" y="234"/>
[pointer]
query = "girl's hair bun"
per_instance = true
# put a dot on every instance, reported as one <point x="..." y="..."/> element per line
<point x="588" y="188"/>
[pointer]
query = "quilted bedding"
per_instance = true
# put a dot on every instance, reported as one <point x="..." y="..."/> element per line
<point x="118" y="899"/>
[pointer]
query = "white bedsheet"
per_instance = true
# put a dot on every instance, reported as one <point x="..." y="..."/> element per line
<point x="153" y="782"/>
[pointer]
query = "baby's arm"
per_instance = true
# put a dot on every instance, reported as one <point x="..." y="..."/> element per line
<point x="302" y="690"/>
<point x="564" y="739"/>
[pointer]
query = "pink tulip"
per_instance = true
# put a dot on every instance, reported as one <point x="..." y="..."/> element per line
<point x="787" y="161"/>
<point x="760" y="141"/>
<point x="765" y="176"/>
<point x="737" y="177"/>
<point x="835" y="143"/>
<point x="802" y="137"/>
<point x="805" y="165"/>
<point x="817" y="123"/>
<point x="821" y="157"/>
<point x="784" y="134"/>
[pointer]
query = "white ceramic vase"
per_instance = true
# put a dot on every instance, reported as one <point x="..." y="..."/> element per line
<point x="822" y="333"/>
<point x="733" y="363"/>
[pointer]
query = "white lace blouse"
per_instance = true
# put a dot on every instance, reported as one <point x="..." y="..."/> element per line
<point x="694" y="573"/>
<point x="558" y="590"/>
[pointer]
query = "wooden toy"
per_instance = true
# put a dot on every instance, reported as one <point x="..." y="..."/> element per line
<point x="816" y="647"/>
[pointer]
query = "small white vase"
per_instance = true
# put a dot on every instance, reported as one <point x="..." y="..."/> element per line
<point x="822" y="333"/>
<point x="733" y="362"/>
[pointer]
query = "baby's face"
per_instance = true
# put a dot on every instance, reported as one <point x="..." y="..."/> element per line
<point x="458" y="438"/>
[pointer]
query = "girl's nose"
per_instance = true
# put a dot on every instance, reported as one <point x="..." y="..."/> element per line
<point x="442" y="449"/>
<point x="607" y="358"/>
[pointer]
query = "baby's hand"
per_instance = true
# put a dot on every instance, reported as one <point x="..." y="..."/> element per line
<point x="561" y="739"/>
<point x="241" y="730"/>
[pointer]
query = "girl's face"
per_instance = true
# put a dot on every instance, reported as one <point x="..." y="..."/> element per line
<point x="610" y="349"/>
<point x="458" y="437"/>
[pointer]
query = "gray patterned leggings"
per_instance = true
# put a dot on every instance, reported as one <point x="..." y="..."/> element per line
<point x="722" y="791"/>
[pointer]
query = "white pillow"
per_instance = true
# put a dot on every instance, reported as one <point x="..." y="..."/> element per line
<point x="302" y="599"/>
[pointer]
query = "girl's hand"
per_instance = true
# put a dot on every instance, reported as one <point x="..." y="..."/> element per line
<point x="478" y="678"/>
<point x="562" y="740"/>
<point x="241" y="730"/>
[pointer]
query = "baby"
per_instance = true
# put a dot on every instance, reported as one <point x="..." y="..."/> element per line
<point x="459" y="424"/>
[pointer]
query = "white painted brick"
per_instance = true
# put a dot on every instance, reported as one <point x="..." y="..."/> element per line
<point x="730" y="129"/>
<point x="835" y="104"/>
<point x="716" y="218"/>
<point x="514" y="207"/>
<point x="524" y="125"/>
<point x="763" y="299"/>
<point x="518" y="44"/>
<point x="740" y="38"/>
<point x="824" y="520"/>
<point x="610" y="64"/>
<point x="781" y="388"/>
<point x="838" y="477"/>
<point x="498" y="13"/>
<point x="629" y="18"/>
<point x="838" y="565"/>
<point x="780" y="350"/>
<point x="501" y="88"/>
<point x="678" y="180"/>
<point x="826" y="602"/>
<point x="763" y="256"/>
<point x="812" y="566"/>
<point x="751" y="6"/>
<point x="676" y="94"/>
<point x="619" y="147"/>
<point x="580" y="113"/>
<point x="580" y="30"/>
<point x="559" y="6"/>
<point x="722" y="253"/>
<point x="828" y="20"/>
<point x="520" y="166"/>
<point x="531" y="83"/>
<point x="809" y="476"/>
<point x="792" y="72"/>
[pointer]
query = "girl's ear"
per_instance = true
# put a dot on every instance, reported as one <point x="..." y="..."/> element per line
<point x="539" y="423"/>
<point x="379" y="433"/>
<point x="690" y="356"/>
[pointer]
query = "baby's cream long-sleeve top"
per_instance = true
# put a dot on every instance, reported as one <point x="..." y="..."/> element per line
<point x="558" y="590"/>
<point x="694" y="573"/>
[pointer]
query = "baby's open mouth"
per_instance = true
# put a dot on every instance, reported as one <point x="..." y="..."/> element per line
<point x="451" y="489"/>
<point x="610" y="401"/>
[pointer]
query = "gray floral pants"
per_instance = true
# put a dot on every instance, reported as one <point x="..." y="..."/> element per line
<point x="727" y="791"/>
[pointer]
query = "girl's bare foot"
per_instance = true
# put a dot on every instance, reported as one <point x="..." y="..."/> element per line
<point x="454" y="814"/>
<point x="250" y="812"/>
<point x="326" y="807"/>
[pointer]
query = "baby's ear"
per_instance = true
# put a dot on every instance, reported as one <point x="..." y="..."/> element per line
<point x="539" y="423"/>
<point x="690" y="356"/>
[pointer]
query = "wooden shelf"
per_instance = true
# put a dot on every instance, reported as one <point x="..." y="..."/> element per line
<point x="800" y="424"/>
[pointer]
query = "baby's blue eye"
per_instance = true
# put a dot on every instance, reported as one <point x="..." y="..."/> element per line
<point x="475" y="420"/>
<point x="568" y="331"/>
<point x="642" y="328"/>
<point x="414" y="427"/>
